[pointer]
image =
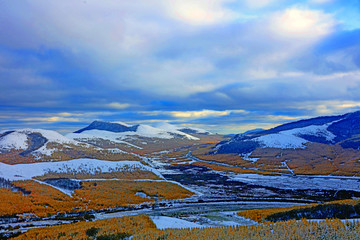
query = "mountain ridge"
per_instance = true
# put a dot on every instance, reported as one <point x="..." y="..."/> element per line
<point x="339" y="129"/>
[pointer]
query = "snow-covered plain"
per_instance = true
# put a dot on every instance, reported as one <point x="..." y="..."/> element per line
<point x="76" y="166"/>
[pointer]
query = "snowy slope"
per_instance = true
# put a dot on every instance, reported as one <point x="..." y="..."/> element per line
<point x="142" y="130"/>
<point x="51" y="136"/>
<point x="14" y="140"/>
<point x="83" y="165"/>
<point x="281" y="140"/>
<point x="313" y="130"/>
<point x="21" y="139"/>
<point x="293" y="138"/>
<point x="100" y="134"/>
<point x="324" y="130"/>
<point x="171" y="127"/>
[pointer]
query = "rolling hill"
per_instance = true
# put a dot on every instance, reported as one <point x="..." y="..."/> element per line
<point x="343" y="130"/>
<point x="321" y="145"/>
<point x="39" y="145"/>
<point x="141" y="138"/>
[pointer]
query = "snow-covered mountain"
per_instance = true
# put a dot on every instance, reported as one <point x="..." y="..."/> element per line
<point x="119" y="132"/>
<point x="115" y="127"/>
<point x="35" y="141"/>
<point x="343" y="130"/>
<point x="34" y="145"/>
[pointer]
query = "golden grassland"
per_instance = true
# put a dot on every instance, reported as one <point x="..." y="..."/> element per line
<point x="13" y="157"/>
<point x="13" y="203"/>
<point x="45" y="200"/>
<point x="260" y="215"/>
<point x="109" y="194"/>
<point x="147" y="146"/>
<point x="141" y="228"/>
<point x="329" y="229"/>
<point x="231" y="159"/>
<point x="230" y="169"/>
<point x="315" y="159"/>
<point x="115" y="228"/>
<point x="179" y="146"/>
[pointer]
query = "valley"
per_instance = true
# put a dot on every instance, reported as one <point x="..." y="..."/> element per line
<point x="113" y="170"/>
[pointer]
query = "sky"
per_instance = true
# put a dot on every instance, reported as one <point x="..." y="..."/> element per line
<point x="223" y="65"/>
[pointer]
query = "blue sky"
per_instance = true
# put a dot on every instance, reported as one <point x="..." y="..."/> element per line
<point x="223" y="65"/>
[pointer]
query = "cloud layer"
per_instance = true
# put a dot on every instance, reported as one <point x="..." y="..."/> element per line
<point x="218" y="64"/>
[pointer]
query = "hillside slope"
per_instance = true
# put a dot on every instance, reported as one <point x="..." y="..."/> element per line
<point x="343" y="130"/>
<point x="39" y="145"/>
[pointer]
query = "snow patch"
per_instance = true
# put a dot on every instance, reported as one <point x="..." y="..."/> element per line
<point x="44" y="151"/>
<point x="166" y="131"/>
<point x="142" y="194"/>
<point x="247" y="157"/>
<point x="163" y="222"/>
<point x="281" y="140"/>
<point x="314" y="130"/>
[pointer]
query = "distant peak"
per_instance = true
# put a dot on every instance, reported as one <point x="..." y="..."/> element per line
<point x="108" y="126"/>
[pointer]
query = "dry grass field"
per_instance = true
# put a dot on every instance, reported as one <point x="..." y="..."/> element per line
<point x="142" y="228"/>
<point x="43" y="200"/>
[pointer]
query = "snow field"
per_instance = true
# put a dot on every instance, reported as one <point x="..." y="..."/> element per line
<point x="83" y="165"/>
<point x="163" y="222"/>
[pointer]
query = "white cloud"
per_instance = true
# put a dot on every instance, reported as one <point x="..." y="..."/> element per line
<point x="321" y="1"/>
<point x="199" y="114"/>
<point x="259" y="3"/>
<point x="199" y="12"/>
<point x="302" y="23"/>
<point x="117" y="105"/>
<point x="67" y="114"/>
<point x="194" y="114"/>
<point x="49" y="119"/>
<point x="204" y="113"/>
<point x="280" y="37"/>
<point x="347" y="78"/>
<point x="331" y="107"/>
